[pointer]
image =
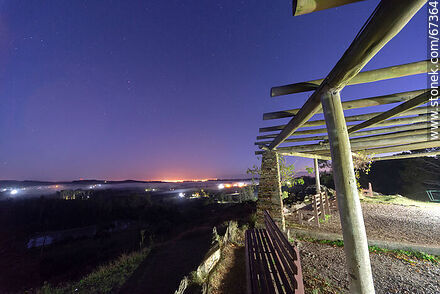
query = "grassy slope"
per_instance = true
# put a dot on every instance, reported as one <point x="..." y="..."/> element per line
<point x="105" y="279"/>
<point x="400" y="200"/>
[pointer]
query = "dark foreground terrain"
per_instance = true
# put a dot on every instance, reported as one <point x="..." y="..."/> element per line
<point x="106" y="226"/>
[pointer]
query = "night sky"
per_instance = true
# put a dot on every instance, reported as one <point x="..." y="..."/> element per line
<point x="165" y="89"/>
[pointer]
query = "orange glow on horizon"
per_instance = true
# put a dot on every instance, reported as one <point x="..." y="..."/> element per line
<point x="190" y="180"/>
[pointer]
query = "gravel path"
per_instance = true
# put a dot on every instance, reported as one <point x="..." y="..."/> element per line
<point x="411" y="224"/>
<point x="390" y="274"/>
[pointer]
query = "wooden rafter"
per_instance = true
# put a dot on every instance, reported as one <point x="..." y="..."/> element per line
<point x="396" y="111"/>
<point x="299" y="136"/>
<point x="390" y="122"/>
<point x="362" y="78"/>
<point x="356" y="138"/>
<point x="387" y="20"/>
<point x="353" y="104"/>
<point x="409" y="155"/>
<point x="360" y="145"/>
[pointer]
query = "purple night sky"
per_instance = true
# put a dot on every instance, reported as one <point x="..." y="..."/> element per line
<point x="165" y="89"/>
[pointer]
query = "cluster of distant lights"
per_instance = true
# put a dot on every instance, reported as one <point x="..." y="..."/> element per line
<point x="239" y="185"/>
<point x="181" y="181"/>
<point x="12" y="191"/>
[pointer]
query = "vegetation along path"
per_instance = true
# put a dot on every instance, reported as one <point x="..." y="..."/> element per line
<point x="167" y="263"/>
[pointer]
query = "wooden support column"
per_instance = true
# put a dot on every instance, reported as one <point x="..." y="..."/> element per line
<point x="353" y="228"/>
<point x="269" y="190"/>
<point x="317" y="181"/>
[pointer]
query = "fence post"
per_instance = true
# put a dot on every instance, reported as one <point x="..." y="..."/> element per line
<point x="315" y="210"/>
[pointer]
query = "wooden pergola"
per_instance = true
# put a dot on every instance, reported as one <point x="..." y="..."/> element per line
<point x="403" y="127"/>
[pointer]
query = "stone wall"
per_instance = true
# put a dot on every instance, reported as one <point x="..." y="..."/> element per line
<point x="269" y="190"/>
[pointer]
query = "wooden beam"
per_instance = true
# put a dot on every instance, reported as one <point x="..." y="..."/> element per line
<point x="298" y="154"/>
<point x="301" y="7"/>
<point x="404" y="147"/>
<point x="359" y="137"/>
<point x="390" y="122"/>
<point x="352" y="222"/>
<point x="368" y="116"/>
<point x="375" y="75"/>
<point x="403" y="156"/>
<point x="359" y="145"/>
<point x="391" y="135"/>
<point x="353" y="104"/>
<point x="297" y="138"/>
<point x="396" y="148"/>
<point x="386" y="21"/>
<point x="396" y="111"/>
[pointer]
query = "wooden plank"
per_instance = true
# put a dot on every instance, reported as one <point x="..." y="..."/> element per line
<point x="280" y="234"/>
<point x="266" y="275"/>
<point x="375" y="75"/>
<point x="280" y="269"/>
<point x="299" y="275"/>
<point x="353" y="104"/>
<point x="386" y="21"/>
<point x="275" y="266"/>
<point x="249" y="262"/>
<point x="288" y="270"/>
<point x="301" y="7"/>
<point x="398" y="110"/>
<point x="403" y="156"/>
<point x="262" y="282"/>
<point x="284" y="254"/>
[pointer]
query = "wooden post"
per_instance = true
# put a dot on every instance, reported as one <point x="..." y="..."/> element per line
<point x="315" y="210"/>
<point x="327" y="203"/>
<point x="321" y="206"/>
<point x="269" y="189"/>
<point x="353" y="228"/>
<point x="317" y="182"/>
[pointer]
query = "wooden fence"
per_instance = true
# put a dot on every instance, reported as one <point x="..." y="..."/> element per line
<point x="321" y="205"/>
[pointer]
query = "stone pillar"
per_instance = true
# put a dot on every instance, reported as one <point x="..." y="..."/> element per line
<point x="269" y="190"/>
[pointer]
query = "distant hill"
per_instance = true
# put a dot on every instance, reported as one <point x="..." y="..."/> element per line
<point x="29" y="183"/>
